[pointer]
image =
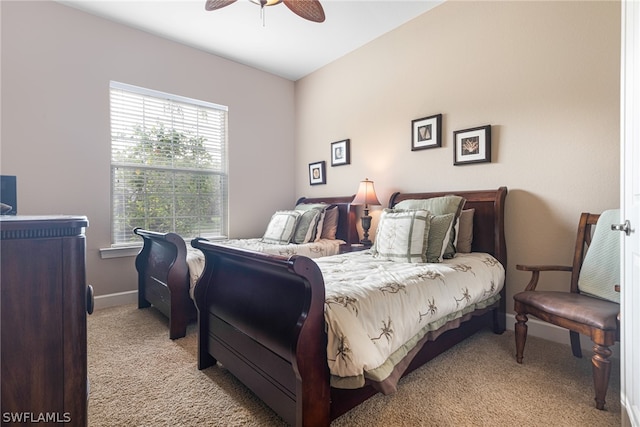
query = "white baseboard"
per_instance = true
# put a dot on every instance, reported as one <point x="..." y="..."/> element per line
<point x="547" y="331"/>
<point x="114" y="300"/>
<point x="536" y="328"/>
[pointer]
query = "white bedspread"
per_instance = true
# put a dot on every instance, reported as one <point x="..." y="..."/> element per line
<point x="376" y="311"/>
<point x="321" y="248"/>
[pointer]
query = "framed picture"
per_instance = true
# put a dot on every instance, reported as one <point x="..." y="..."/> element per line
<point x="472" y="145"/>
<point x="316" y="173"/>
<point x="426" y="132"/>
<point x="340" y="153"/>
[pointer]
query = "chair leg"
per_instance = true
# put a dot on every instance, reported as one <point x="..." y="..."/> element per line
<point x="575" y="343"/>
<point x="601" y="372"/>
<point x="521" y="335"/>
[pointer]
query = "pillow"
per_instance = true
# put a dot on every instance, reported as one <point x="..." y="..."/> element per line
<point x="307" y="226"/>
<point x="330" y="224"/>
<point x="439" y="231"/>
<point x="308" y="206"/>
<point x="323" y="207"/>
<point x="600" y="270"/>
<point x="281" y="227"/>
<point x="438" y="206"/>
<point x="464" y="231"/>
<point x="402" y="235"/>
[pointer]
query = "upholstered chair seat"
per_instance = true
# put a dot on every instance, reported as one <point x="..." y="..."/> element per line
<point x="594" y="312"/>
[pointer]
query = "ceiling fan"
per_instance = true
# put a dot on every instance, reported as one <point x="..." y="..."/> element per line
<point x="307" y="9"/>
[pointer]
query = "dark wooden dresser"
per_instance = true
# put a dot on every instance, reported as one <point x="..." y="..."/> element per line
<point x="44" y="303"/>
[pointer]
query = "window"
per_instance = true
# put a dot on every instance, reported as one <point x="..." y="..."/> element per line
<point x="168" y="164"/>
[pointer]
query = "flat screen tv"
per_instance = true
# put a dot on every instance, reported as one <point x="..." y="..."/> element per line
<point x="8" y="195"/>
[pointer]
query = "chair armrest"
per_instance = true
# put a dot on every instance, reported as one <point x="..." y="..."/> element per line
<point x="535" y="272"/>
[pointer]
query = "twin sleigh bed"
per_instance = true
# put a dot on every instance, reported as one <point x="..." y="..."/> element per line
<point x="168" y="269"/>
<point x="314" y="338"/>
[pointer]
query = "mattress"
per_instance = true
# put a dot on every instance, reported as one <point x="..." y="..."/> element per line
<point x="377" y="311"/>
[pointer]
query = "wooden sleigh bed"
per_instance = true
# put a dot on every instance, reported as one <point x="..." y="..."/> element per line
<point x="163" y="272"/>
<point x="263" y="318"/>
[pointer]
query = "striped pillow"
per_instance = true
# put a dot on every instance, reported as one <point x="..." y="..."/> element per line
<point x="600" y="270"/>
<point x="402" y="235"/>
<point x="439" y="232"/>
<point x="439" y="206"/>
<point x="281" y="227"/>
<point x="307" y="226"/>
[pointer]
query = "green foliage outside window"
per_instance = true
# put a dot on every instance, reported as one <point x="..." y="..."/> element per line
<point x="165" y="182"/>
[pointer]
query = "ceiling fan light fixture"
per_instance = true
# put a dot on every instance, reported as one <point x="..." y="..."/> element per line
<point x="266" y="2"/>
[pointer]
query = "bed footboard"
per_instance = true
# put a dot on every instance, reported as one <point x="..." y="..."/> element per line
<point x="262" y="317"/>
<point x="163" y="279"/>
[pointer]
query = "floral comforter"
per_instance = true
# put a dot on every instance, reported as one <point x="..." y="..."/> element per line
<point x="377" y="311"/>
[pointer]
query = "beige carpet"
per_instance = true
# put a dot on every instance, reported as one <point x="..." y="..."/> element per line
<point x="139" y="377"/>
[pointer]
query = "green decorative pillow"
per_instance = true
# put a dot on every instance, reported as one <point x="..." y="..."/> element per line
<point x="600" y="270"/>
<point x="438" y="206"/>
<point x="308" y="206"/>
<point x="307" y="226"/>
<point x="402" y="235"/>
<point x="464" y="231"/>
<point x="281" y="227"/>
<point x="439" y="231"/>
<point x="323" y="208"/>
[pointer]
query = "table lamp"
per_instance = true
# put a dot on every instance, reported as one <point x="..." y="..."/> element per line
<point x="366" y="196"/>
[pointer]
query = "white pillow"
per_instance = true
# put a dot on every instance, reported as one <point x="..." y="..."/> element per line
<point x="402" y="235"/>
<point x="601" y="265"/>
<point x="281" y="227"/>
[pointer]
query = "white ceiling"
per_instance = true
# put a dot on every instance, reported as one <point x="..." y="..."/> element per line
<point x="287" y="45"/>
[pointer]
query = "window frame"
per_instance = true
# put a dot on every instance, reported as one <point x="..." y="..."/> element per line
<point x="120" y="247"/>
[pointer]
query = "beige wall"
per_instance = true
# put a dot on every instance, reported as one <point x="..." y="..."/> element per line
<point x="56" y="67"/>
<point x="545" y="75"/>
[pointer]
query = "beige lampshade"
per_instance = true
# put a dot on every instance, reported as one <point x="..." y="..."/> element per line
<point x="366" y="194"/>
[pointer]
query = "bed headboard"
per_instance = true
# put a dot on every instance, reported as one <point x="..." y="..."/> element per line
<point x="488" y="219"/>
<point x="347" y="230"/>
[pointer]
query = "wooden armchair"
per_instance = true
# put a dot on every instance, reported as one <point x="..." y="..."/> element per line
<point x="591" y="306"/>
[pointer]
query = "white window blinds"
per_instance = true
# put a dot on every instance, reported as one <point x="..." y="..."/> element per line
<point x="168" y="164"/>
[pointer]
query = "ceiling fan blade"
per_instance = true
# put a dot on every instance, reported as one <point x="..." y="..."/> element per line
<point x="217" y="4"/>
<point x="307" y="9"/>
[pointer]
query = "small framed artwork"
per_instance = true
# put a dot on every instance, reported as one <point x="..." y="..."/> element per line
<point x="340" y="153"/>
<point x="316" y="173"/>
<point x="426" y="132"/>
<point x="472" y="145"/>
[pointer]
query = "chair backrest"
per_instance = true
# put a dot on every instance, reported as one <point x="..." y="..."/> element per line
<point x="596" y="264"/>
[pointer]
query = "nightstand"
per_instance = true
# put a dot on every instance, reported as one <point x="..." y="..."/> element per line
<point x="354" y="247"/>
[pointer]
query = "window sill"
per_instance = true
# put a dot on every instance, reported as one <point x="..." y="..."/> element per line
<point x="133" y="250"/>
<point x="120" y="252"/>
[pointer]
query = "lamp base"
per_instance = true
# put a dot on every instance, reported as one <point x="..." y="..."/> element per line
<point x="366" y="224"/>
<point x="366" y="242"/>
